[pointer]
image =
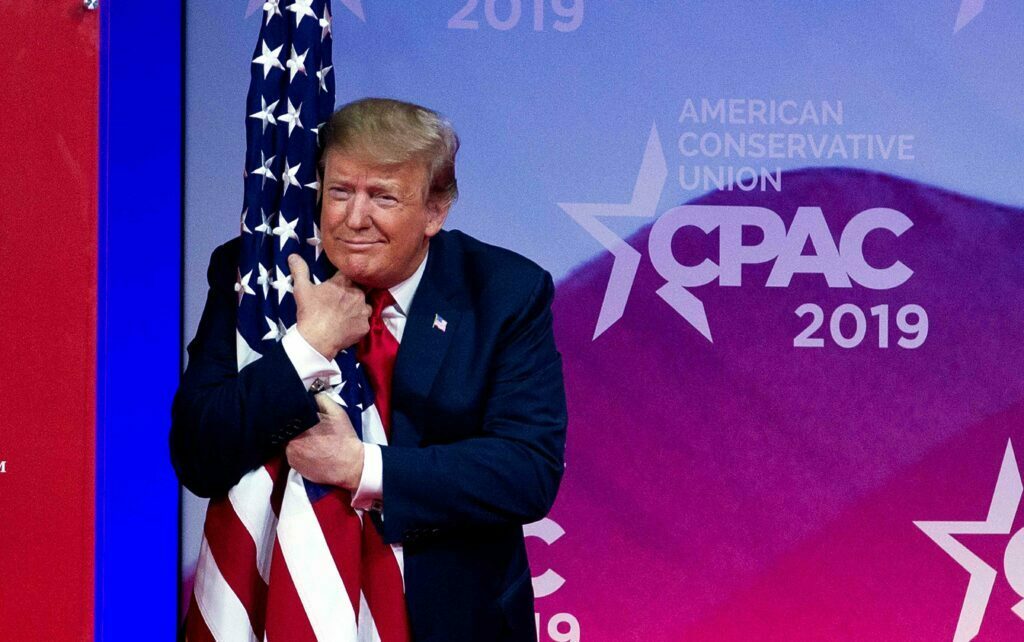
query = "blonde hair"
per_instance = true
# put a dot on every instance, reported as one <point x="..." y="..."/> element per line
<point x="392" y="132"/>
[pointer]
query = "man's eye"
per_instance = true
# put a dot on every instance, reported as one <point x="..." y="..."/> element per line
<point x="385" y="199"/>
<point x="339" y="193"/>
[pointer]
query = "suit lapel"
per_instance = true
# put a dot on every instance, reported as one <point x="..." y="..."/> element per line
<point x="423" y="345"/>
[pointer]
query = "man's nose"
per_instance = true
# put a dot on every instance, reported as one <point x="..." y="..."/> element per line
<point x="357" y="216"/>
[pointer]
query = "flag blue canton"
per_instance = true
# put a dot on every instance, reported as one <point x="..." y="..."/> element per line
<point x="291" y="95"/>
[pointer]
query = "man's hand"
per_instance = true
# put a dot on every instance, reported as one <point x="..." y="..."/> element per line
<point x="329" y="452"/>
<point x="331" y="316"/>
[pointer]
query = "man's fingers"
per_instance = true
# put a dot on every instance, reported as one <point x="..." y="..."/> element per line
<point x="327" y="405"/>
<point x="300" y="271"/>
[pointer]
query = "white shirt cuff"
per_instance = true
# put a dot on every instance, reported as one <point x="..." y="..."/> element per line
<point x="370" y="491"/>
<point x="310" y="364"/>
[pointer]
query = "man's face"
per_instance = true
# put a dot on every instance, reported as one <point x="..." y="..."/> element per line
<point x="376" y="220"/>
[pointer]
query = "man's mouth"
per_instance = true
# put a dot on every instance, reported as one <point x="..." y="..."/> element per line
<point x="357" y="243"/>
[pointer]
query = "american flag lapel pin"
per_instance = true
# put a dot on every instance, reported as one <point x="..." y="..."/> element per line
<point x="440" y="323"/>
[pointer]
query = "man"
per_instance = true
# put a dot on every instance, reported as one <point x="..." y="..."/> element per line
<point x="477" y="404"/>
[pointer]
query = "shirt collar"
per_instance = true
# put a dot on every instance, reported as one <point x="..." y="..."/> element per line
<point x="406" y="290"/>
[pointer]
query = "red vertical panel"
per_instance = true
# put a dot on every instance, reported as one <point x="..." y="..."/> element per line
<point x="48" y="227"/>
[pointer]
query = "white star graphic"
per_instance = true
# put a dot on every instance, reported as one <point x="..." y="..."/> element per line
<point x="650" y="181"/>
<point x="242" y="285"/>
<point x="315" y="241"/>
<point x="296" y="63"/>
<point x="270" y="59"/>
<point x="289" y="177"/>
<point x="325" y="23"/>
<point x="245" y="228"/>
<point x="286" y="230"/>
<point x="267" y="113"/>
<point x="322" y="76"/>
<point x="301" y="9"/>
<point x="263" y="279"/>
<point x="1001" y="513"/>
<point x="292" y="117"/>
<point x="264" y="169"/>
<point x="356" y="7"/>
<point x="282" y="283"/>
<point x="275" y="331"/>
<point x="969" y="10"/>
<point x="271" y="8"/>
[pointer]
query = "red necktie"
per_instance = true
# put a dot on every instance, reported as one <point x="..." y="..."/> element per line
<point x="380" y="576"/>
<point x="377" y="352"/>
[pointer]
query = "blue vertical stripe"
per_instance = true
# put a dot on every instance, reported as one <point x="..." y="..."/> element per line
<point x="139" y="316"/>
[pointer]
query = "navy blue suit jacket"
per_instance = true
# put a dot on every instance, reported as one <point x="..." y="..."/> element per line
<point x="477" y="439"/>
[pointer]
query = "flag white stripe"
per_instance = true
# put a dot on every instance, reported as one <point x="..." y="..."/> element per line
<point x="373" y="433"/>
<point x="250" y="499"/>
<point x="223" y="612"/>
<point x="368" y="628"/>
<point x="312" y="568"/>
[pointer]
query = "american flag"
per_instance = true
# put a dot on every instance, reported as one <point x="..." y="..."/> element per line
<point x="284" y="559"/>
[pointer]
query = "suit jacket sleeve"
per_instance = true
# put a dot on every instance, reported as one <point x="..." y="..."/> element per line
<point x="225" y="422"/>
<point x="510" y="471"/>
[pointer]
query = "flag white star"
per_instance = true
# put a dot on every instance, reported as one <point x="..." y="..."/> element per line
<point x="282" y="283"/>
<point x="315" y="241"/>
<point x="335" y="394"/>
<point x="322" y="76"/>
<point x="272" y="9"/>
<point x="270" y="58"/>
<point x="274" y="333"/>
<point x="285" y="230"/>
<point x="264" y="169"/>
<point x="267" y="113"/>
<point x="301" y="9"/>
<point x="325" y="24"/>
<point x="263" y="279"/>
<point x="264" y="227"/>
<point x="315" y="185"/>
<point x="289" y="177"/>
<point x="292" y="117"/>
<point x="316" y="130"/>
<point x="245" y="228"/>
<point x="296" y="63"/>
<point x="242" y="285"/>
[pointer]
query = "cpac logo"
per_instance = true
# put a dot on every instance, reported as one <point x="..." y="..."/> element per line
<point x="1001" y="513"/>
<point x="840" y="264"/>
<point x="549" y="532"/>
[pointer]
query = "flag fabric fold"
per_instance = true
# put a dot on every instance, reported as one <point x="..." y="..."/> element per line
<point x="284" y="559"/>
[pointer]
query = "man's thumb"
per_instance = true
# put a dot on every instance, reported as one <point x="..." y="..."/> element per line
<point x="327" y="405"/>
<point x="299" y="269"/>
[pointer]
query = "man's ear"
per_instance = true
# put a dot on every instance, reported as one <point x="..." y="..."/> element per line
<point x="437" y="212"/>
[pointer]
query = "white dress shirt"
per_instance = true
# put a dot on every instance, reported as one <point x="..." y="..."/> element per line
<point x="311" y="365"/>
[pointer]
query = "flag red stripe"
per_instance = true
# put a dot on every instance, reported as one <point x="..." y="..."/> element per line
<point x="286" y="617"/>
<point x="342" y="532"/>
<point x="383" y="587"/>
<point x="195" y="626"/>
<point x="234" y="551"/>
<point x="278" y="470"/>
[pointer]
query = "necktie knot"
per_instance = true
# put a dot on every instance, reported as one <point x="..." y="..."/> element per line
<point x="379" y="299"/>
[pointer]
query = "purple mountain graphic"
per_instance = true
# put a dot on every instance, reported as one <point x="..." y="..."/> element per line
<point x="696" y="471"/>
